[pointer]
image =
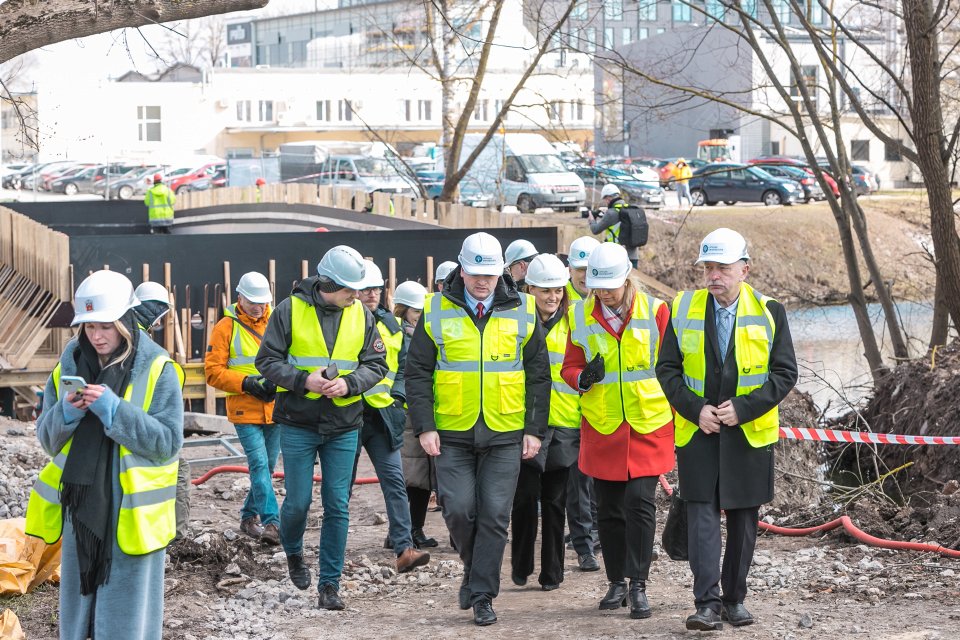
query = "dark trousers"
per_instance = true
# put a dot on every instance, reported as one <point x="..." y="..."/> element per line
<point x="703" y="539"/>
<point x="548" y="490"/>
<point x="581" y="510"/>
<point x="477" y="487"/>
<point x="627" y="518"/>
<point x="419" y="501"/>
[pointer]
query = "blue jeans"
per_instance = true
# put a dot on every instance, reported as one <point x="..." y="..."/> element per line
<point x="375" y="439"/>
<point x="261" y="444"/>
<point x="300" y="448"/>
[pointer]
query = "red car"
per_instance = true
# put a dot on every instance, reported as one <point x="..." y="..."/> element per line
<point x="798" y="163"/>
<point x="207" y="171"/>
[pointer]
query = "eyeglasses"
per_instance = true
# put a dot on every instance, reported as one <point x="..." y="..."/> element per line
<point x="372" y="290"/>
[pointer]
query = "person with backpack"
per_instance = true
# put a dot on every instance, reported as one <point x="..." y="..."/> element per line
<point x="624" y="223"/>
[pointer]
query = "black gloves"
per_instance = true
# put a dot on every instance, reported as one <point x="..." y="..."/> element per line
<point x="592" y="373"/>
<point x="260" y="388"/>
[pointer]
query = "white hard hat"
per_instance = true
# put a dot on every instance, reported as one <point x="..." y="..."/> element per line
<point x="343" y="265"/>
<point x="580" y="250"/>
<point x="481" y="255"/>
<point x="104" y="296"/>
<point x="547" y="271"/>
<point x="723" y="245"/>
<point x="254" y="287"/>
<point x="608" y="266"/>
<point x="609" y="190"/>
<point x="518" y="250"/>
<point x="152" y="291"/>
<point x="410" y="293"/>
<point x="443" y="270"/>
<point x="372" y="277"/>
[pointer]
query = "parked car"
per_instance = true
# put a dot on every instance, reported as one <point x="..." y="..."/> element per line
<point x="78" y="180"/>
<point x="640" y="172"/>
<point x="432" y="182"/>
<point x="208" y="170"/>
<point x="864" y="182"/>
<point x="36" y="177"/>
<point x="131" y="184"/>
<point x="796" y="162"/>
<point x="811" y="188"/>
<point x="635" y="192"/>
<point x="14" y="178"/>
<point x="732" y="183"/>
<point x="215" y="181"/>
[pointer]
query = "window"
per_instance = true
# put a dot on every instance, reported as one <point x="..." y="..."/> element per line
<point x="627" y="35"/>
<point x="344" y="111"/>
<point x="243" y="111"/>
<point x="512" y="170"/>
<point x="661" y="30"/>
<point x="498" y="107"/>
<point x="480" y="111"/>
<point x="608" y="38"/>
<point x="891" y="152"/>
<point x="716" y="10"/>
<point x="579" y="10"/>
<point x="647" y="10"/>
<point x="591" y="39"/>
<point x="781" y="9"/>
<point x="613" y="9"/>
<point x="860" y="150"/>
<point x="749" y="7"/>
<point x="555" y="111"/>
<point x="775" y="149"/>
<point x="323" y="110"/>
<point x="148" y="124"/>
<point x="643" y="33"/>
<point x="815" y="12"/>
<point x="681" y="11"/>
<point x="809" y="80"/>
<point x="266" y="111"/>
<point x="576" y="110"/>
<point x="424" y="109"/>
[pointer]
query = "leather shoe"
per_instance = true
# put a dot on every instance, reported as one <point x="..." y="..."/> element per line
<point x="411" y="559"/>
<point x="588" y="562"/>
<point x="251" y="527"/>
<point x="616" y="596"/>
<point x="736" y="614"/>
<point x="549" y="587"/>
<point x="639" y="607"/>
<point x="420" y="540"/>
<point x="483" y="614"/>
<point x="705" y="619"/>
<point x="299" y="573"/>
<point x="330" y="599"/>
<point x="518" y="580"/>
<point x="270" y="535"/>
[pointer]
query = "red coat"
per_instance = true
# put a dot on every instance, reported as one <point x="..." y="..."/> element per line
<point x="624" y="454"/>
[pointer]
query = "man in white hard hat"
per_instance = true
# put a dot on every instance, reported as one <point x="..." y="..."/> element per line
<point x="383" y="422"/>
<point x="229" y="366"/>
<point x="323" y="351"/>
<point x="154" y="304"/>
<point x="478" y="387"/>
<point x="444" y="269"/>
<point x="612" y="219"/>
<point x="517" y="257"/>
<point x="726" y="363"/>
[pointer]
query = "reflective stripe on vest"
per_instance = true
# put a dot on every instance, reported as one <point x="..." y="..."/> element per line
<point x="630" y="390"/>
<point x="308" y="348"/>
<point x="243" y="348"/>
<point x="564" y="401"/>
<point x="159" y="203"/>
<point x="477" y="370"/>
<point x="147" y="515"/>
<point x="752" y="339"/>
<point x="379" y="395"/>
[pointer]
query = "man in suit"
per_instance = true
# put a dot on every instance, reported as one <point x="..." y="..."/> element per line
<point x="726" y="362"/>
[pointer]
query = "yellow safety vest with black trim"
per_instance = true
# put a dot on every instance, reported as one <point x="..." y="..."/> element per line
<point x="477" y="370"/>
<point x="572" y="294"/>
<point x="159" y="200"/>
<point x="629" y="390"/>
<point x="379" y="396"/>
<point x="564" y="401"/>
<point x="243" y="348"/>
<point x="147" y="517"/>
<point x="308" y="349"/>
<point x="752" y="339"/>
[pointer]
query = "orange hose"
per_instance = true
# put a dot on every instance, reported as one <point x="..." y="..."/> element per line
<point x="277" y="474"/>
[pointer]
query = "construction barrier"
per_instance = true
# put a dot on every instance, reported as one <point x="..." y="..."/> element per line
<point x="863" y="437"/>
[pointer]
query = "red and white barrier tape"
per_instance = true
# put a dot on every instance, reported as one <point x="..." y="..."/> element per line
<point x="865" y="437"/>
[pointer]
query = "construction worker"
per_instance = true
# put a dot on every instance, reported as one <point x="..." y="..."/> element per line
<point x="517" y="257"/>
<point x="444" y="269"/>
<point x="383" y="420"/>
<point x="260" y="182"/>
<point x="478" y="386"/>
<point x="542" y="484"/>
<point x="580" y="250"/>
<point x="322" y="350"/>
<point x="683" y="174"/>
<point x="625" y="441"/>
<point x="727" y="361"/>
<point x="611" y="219"/>
<point x="229" y="366"/>
<point x="112" y="420"/>
<point x="159" y="200"/>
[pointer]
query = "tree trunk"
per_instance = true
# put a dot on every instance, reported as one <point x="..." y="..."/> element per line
<point x="941" y="320"/>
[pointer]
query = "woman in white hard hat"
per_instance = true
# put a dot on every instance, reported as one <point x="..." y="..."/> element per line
<point x="543" y="478"/>
<point x="627" y="430"/>
<point x="113" y="421"/>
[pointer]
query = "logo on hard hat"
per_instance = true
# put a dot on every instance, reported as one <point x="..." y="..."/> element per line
<point x="712" y="249"/>
<point x="596" y="272"/>
<point x="583" y="254"/>
<point x="478" y="259"/>
<point x="89" y="305"/>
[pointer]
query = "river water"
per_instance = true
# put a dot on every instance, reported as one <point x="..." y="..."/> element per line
<point x="830" y="351"/>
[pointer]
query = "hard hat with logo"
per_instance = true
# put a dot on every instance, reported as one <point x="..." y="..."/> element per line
<point x="519" y="250"/>
<point x="609" y="189"/>
<point x="104" y="296"/>
<point x="373" y="277"/>
<point x="443" y="270"/>
<point x="411" y="294"/>
<point x="157" y="178"/>
<point x="608" y="266"/>
<point x="481" y="255"/>
<point x="254" y="287"/>
<point x="547" y="271"/>
<point x="724" y="246"/>
<point x="152" y="291"/>
<point x="580" y="250"/>
<point x="343" y="265"/>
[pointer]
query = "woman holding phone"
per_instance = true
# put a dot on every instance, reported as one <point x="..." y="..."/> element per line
<point x="110" y="489"/>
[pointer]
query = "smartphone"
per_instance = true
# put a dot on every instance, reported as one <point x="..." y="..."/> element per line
<point x="70" y="385"/>
<point x="330" y="372"/>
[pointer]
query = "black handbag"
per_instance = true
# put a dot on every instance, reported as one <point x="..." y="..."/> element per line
<point x="674" y="537"/>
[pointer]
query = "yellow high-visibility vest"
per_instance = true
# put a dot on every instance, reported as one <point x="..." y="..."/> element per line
<point x="308" y="349"/>
<point x="147" y="515"/>
<point x="572" y="294"/>
<point x="159" y="200"/>
<point x="379" y="395"/>
<point x="629" y="390"/>
<point x="243" y="348"/>
<point x="564" y="401"/>
<point x="753" y="339"/>
<point x="477" y="370"/>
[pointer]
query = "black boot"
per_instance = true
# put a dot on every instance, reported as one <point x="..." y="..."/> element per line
<point x="616" y="596"/>
<point x="299" y="573"/>
<point x="420" y="540"/>
<point x="639" y="608"/>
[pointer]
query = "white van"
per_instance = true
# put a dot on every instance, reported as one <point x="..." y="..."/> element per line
<point x="520" y="169"/>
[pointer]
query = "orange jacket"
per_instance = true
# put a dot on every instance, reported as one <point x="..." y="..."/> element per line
<point x="241" y="408"/>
